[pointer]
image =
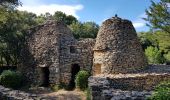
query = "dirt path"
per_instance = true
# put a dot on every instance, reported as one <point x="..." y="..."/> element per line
<point x="65" y="95"/>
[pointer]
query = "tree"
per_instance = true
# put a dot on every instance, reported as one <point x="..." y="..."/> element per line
<point x="148" y="39"/>
<point x="90" y="29"/>
<point x="84" y="30"/>
<point x="60" y="16"/>
<point x="153" y="55"/>
<point x="14" y="2"/>
<point x="158" y="15"/>
<point x="167" y="58"/>
<point x="76" y="28"/>
<point x="70" y="19"/>
<point x="159" y="40"/>
<point x="12" y="26"/>
<point x="163" y="41"/>
<point x="41" y="19"/>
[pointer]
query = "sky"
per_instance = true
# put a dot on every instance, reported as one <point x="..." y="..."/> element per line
<point x="93" y="10"/>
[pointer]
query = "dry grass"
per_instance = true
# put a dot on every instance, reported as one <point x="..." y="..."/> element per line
<point x="66" y="95"/>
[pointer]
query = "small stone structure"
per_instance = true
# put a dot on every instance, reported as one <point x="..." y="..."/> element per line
<point x="120" y="68"/>
<point x="117" y="48"/>
<point x="52" y="55"/>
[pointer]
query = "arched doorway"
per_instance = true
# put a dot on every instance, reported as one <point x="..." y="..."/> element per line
<point x="75" y="68"/>
<point x="44" y="76"/>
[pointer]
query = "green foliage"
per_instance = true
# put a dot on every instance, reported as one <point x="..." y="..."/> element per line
<point x="56" y="87"/>
<point x="12" y="26"/>
<point x="158" y="39"/>
<point x="76" y="28"/>
<point x="88" y="94"/>
<point x="167" y="57"/>
<point x="60" y="16"/>
<point x="11" y="79"/>
<point x="15" y="2"/>
<point x="153" y="55"/>
<point x="158" y="15"/>
<point x="84" y="30"/>
<point x="90" y="30"/>
<point x="162" y="92"/>
<point x="148" y="39"/>
<point x="163" y="39"/>
<point x="12" y="4"/>
<point x="82" y="80"/>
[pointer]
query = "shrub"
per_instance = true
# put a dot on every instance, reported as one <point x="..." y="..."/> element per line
<point x="11" y="79"/>
<point x="56" y="87"/>
<point x="162" y="92"/>
<point x="88" y="94"/>
<point x="167" y="57"/>
<point x="82" y="80"/>
<point x="153" y="55"/>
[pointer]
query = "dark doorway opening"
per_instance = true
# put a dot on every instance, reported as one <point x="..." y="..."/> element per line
<point x="74" y="70"/>
<point x="44" y="76"/>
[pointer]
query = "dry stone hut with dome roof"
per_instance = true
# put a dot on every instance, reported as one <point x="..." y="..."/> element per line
<point x="52" y="56"/>
<point x="120" y="69"/>
<point x="117" y="48"/>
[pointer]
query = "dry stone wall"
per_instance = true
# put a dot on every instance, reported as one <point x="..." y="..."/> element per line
<point x="9" y="94"/>
<point x="52" y="46"/>
<point x="86" y="46"/>
<point x="82" y="54"/>
<point x="42" y="50"/>
<point x="134" y="86"/>
<point x="117" y="48"/>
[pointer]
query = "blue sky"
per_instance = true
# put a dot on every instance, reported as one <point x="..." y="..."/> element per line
<point x="93" y="10"/>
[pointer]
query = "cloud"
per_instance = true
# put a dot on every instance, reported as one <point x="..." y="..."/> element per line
<point x="39" y="7"/>
<point x="139" y="22"/>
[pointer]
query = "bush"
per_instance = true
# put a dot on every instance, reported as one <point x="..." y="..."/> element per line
<point x="167" y="57"/>
<point x="153" y="55"/>
<point x="56" y="87"/>
<point x="82" y="80"/>
<point x="88" y="94"/>
<point x="162" y="92"/>
<point x="11" y="79"/>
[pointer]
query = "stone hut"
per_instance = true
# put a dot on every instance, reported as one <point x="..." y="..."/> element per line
<point x="120" y="70"/>
<point x="52" y="55"/>
<point x="117" y="48"/>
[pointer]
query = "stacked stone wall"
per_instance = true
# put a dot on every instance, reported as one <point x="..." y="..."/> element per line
<point x="9" y="94"/>
<point x="82" y="55"/>
<point x="42" y="49"/>
<point x="123" y="86"/>
<point x="117" y="48"/>
<point x="52" y="45"/>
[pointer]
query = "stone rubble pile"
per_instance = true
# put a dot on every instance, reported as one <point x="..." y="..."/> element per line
<point x="9" y="94"/>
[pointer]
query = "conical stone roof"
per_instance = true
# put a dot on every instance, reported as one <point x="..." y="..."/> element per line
<point x="117" y="47"/>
